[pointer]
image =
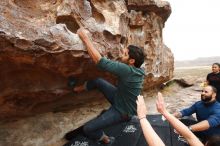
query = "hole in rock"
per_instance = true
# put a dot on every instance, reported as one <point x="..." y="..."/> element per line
<point x="70" y="22"/>
<point x="123" y="40"/>
<point x="98" y="16"/>
<point x="109" y="36"/>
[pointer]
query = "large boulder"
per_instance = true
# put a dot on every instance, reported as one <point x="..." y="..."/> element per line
<point x="40" y="50"/>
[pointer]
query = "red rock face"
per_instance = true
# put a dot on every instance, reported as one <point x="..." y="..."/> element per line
<point x="39" y="48"/>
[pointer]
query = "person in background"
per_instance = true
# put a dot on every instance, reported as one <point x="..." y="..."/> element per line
<point x="213" y="79"/>
<point x="207" y="113"/>
<point x="153" y="139"/>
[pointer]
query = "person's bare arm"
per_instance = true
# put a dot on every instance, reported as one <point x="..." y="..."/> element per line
<point x="201" y="126"/>
<point x="178" y="125"/>
<point x="150" y="135"/>
<point x="93" y="52"/>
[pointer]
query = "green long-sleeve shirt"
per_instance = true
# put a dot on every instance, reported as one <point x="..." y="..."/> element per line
<point x="130" y="80"/>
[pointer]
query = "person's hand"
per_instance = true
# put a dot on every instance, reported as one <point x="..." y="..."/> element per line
<point x="160" y="103"/>
<point x="141" y="107"/>
<point x="177" y="114"/>
<point x="82" y="32"/>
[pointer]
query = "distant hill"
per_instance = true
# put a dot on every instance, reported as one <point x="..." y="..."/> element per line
<point x="202" y="61"/>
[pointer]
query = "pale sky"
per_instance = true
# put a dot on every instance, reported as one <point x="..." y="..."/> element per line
<point x="193" y="29"/>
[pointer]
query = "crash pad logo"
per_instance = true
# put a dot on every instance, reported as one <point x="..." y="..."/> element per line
<point x="182" y="139"/>
<point x="130" y="129"/>
<point x="78" y="143"/>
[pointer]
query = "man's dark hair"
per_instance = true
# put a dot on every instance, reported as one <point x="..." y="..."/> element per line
<point x="137" y="54"/>
<point x="213" y="141"/>
<point x="213" y="89"/>
<point x="216" y="64"/>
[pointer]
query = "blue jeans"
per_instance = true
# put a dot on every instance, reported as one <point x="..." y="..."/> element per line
<point x="93" y="128"/>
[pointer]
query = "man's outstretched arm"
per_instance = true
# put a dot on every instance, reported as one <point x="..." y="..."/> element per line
<point x="201" y="126"/>
<point x="93" y="52"/>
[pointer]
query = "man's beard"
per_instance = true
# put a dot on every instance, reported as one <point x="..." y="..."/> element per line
<point x="206" y="99"/>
